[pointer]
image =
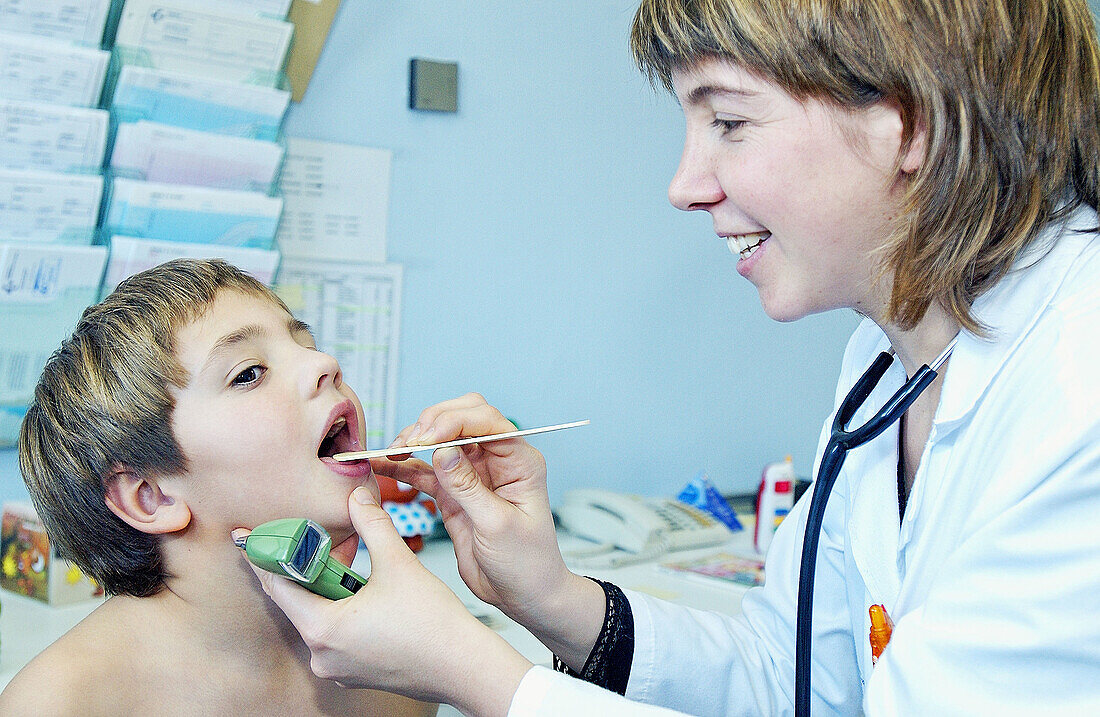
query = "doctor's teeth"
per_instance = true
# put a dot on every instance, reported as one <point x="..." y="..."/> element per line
<point x="743" y="245"/>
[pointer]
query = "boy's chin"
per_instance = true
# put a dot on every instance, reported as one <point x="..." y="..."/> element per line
<point x="345" y="541"/>
<point x="370" y="483"/>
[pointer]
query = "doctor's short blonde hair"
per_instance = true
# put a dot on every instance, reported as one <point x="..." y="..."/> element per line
<point x="1005" y="90"/>
<point x="103" y="402"/>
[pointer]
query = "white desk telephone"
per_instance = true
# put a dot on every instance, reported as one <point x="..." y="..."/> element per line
<point x="636" y="524"/>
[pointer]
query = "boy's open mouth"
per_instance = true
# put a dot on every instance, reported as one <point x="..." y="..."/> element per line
<point x="336" y="440"/>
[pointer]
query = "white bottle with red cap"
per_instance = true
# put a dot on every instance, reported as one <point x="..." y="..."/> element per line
<point x="773" y="501"/>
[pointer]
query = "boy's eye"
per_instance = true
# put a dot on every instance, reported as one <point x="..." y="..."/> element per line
<point x="249" y="376"/>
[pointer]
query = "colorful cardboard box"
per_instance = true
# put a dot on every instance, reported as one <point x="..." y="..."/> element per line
<point x="29" y="566"/>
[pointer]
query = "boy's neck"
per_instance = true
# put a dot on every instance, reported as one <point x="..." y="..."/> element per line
<point x="216" y="597"/>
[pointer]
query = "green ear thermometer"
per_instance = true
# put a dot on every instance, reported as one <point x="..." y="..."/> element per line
<point x="298" y="549"/>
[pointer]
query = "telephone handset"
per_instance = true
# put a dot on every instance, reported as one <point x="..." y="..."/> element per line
<point x="637" y="524"/>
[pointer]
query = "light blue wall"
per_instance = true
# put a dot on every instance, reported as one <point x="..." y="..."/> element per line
<point x="11" y="486"/>
<point x="544" y="266"/>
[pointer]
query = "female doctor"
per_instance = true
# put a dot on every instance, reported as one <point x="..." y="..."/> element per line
<point x="933" y="165"/>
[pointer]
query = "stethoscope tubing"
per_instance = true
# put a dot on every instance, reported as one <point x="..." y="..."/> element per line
<point x="842" y="440"/>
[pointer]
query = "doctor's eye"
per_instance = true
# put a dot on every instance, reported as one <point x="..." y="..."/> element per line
<point x="727" y="126"/>
<point x="249" y="376"/>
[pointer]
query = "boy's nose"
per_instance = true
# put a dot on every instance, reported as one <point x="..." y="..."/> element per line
<point x="323" y="369"/>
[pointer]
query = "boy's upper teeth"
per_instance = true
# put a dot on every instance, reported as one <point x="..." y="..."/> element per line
<point x="337" y="426"/>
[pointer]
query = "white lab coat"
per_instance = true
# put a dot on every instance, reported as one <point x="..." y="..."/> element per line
<point x="993" y="577"/>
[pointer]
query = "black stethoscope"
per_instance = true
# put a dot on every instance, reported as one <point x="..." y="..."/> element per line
<point x="841" y="441"/>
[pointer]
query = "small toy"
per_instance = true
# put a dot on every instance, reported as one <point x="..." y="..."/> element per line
<point x="412" y="514"/>
<point x="702" y="494"/>
<point x="29" y="565"/>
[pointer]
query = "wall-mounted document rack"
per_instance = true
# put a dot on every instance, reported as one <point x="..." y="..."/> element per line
<point x="143" y="130"/>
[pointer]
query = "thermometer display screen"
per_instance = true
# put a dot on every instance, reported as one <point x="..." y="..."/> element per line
<point x="307" y="548"/>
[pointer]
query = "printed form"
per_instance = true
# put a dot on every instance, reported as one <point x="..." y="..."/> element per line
<point x="36" y="69"/>
<point x="176" y="212"/>
<point x="129" y="255"/>
<point x="204" y="40"/>
<point x="80" y="22"/>
<point x="49" y="206"/>
<point x="53" y="138"/>
<point x="43" y="291"/>
<point x="354" y="310"/>
<point x="162" y="153"/>
<point x="208" y="104"/>
<point x="273" y="8"/>
<point x="336" y="200"/>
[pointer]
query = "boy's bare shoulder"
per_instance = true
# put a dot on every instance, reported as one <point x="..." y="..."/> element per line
<point x="74" y="675"/>
<point x="115" y="661"/>
<point x="53" y="683"/>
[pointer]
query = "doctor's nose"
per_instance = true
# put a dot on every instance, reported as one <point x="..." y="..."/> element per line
<point x="695" y="185"/>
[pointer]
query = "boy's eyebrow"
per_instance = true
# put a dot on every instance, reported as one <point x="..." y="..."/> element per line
<point x="248" y="333"/>
<point x="294" y="326"/>
<point x="222" y="345"/>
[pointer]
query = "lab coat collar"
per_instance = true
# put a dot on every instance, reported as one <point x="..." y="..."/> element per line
<point x="1010" y="309"/>
<point x="873" y="522"/>
<point x="873" y="525"/>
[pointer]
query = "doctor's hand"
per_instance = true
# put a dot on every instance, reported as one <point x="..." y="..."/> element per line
<point x="493" y="501"/>
<point x="404" y="631"/>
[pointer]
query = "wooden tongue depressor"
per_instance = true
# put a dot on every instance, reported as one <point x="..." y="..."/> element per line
<point x="383" y="452"/>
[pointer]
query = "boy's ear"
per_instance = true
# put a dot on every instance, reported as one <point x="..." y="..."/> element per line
<point x="144" y="503"/>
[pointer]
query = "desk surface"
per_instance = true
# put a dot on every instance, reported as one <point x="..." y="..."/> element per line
<point x="28" y="626"/>
<point x="648" y="577"/>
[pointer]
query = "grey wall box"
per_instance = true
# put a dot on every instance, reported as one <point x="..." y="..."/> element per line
<point x="433" y="85"/>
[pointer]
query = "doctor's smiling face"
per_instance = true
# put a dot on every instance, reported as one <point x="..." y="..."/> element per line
<point x="802" y="191"/>
<point x="259" y="419"/>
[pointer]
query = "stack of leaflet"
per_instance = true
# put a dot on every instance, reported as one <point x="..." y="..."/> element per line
<point x="52" y="145"/>
<point x="197" y="100"/>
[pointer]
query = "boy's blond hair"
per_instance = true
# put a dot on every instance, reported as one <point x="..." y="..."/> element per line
<point x="104" y="402"/>
<point x="1006" y="91"/>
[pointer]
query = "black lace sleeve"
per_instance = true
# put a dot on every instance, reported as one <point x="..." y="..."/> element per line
<point x="608" y="665"/>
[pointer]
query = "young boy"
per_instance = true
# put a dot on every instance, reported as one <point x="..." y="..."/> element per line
<point x="186" y="404"/>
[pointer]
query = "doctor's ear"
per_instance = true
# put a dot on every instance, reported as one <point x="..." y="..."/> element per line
<point x="913" y="156"/>
<point x="145" y="503"/>
<point x="886" y="124"/>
